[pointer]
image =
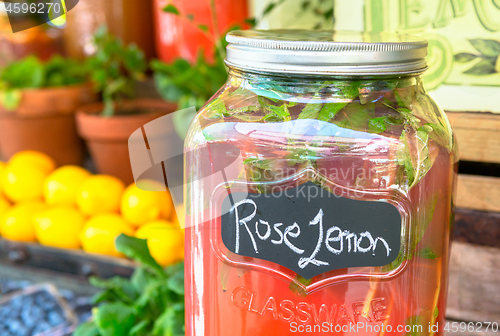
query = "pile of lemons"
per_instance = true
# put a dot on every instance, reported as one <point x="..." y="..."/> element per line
<point x="69" y="207"/>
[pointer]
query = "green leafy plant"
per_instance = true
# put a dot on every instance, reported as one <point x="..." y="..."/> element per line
<point x="189" y="84"/>
<point x="115" y="68"/>
<point x="489" y="57"/>
<point x="32" y="73"/>
<point x="151" y="302"/>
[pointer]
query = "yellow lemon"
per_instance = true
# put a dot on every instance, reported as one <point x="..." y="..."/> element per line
<point x="18" y="222"/>
<point x="99" y="194"/>
<point x="100" y="231"/>
<point x="59" y="227"/>
<point x="62" y="184"/>
<point x="4" y="205"/>
<point x="165" y="241"/>
<point x="23" y="183"/>
<point x="2" y="168"/>
<point x="33" y="159"/>
<point x="141" y="206"/>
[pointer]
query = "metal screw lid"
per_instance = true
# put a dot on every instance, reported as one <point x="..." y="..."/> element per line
<point x="325" y="52"/>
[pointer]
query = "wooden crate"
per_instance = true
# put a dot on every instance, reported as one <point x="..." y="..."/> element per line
<point x="478" y="136"/>
<point x="474" y="285"/>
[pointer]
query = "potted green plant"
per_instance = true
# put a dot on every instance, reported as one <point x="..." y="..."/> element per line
<point x="37" y="105"/>
<point x="106" y="126"/>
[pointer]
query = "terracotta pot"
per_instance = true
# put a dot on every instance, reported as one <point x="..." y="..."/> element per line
<point x="177" y="37"/>
<point x="130" y="20"/>
<point x="107" y="137"/>
<point x="44" y="121"/>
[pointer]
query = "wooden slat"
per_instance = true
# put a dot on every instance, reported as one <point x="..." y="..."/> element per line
<point x="478" y="193"/>
<point x="74" y="262"/>
<point x="478" y="136"/>
<point x="474" y="280"/>
<point x="477" y="227"/>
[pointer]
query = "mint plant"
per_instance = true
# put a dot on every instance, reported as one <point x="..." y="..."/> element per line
<point x="151" y="302"/>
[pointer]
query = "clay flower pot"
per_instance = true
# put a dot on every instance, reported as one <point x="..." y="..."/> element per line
<point x="107" y="137"/>
<point x="45" y="121"/>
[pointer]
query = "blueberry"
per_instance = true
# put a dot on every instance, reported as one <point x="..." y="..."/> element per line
<point x="36" y="313"/>
<point x="26" y="315"/>
<point x="28" y="300"/>
<point x="14" y="326"/>
<point x="42" y="326"/>
<point x="55" y="318"/>
<point x="16" y="302"/>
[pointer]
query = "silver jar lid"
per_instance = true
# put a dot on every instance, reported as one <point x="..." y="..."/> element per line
<point x="325" y="52"/>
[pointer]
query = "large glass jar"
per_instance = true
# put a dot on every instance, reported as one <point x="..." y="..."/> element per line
<point x="318" y="190"/>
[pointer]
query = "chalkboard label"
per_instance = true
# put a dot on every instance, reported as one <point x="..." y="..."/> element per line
<point x="311" y="235"/>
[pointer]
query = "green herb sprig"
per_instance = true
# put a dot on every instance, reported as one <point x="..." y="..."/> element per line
<point x="150" y="303"/>
<point x="31" y="73"/>
<point x="115" y="68"/>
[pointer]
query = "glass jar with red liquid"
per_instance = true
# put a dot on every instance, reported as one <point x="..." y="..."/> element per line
<point x="318" y="190"/>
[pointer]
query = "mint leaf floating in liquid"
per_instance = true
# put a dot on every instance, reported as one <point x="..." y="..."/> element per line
<point x="171" y="9"/>
<point x="298" y="289"/>
<point x="274" y="113"/>
<point x="310" y="111"/>
<point x="418" y="325"/>
<point x="377" y="125"/>
<point x="427" y="253"/>
<point x="355" y="116"/>
<point x="330" y="110"/>
<point x="217" y="109"/>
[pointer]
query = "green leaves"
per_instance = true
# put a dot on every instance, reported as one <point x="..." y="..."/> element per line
<point x="274" y="113"/>
<point x="170" y="322"/>
<point x="171" y="9"/>
<point x="418" y="325"/>
<point x="355" y="116"/>
<point x="483" y="67"/>
<point x="427" y="253"/>
<point x="26" y="73"/>
<point x="413" y="153"/>
<point x="464" y="57"/>
<point x="489" y="48"/>
<point x="310" y="111"/>
<point x="31" y="73"/>
<point x="115" y="319"/>
<point x="377" y="125"/>
<point x="189" y="84"/>
<point x="489" y="54"/>
<point x="87" y="329"/>
<point x="115" y="68"/>
<point x="137" y="249"/>
<point x="330" y="110"/>
<point x="151" y="303"/>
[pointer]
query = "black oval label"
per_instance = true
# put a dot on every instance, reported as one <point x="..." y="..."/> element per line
<point x="311" y="235"/>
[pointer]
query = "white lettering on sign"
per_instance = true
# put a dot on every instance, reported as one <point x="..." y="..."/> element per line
<point x="336" y="240"/>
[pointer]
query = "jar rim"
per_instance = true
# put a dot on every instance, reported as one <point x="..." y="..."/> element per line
<point x="326" y="52"/>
